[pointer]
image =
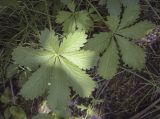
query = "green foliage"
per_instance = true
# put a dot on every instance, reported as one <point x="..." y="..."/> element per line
<point x="58" y="64"/>
<point x="109" y="61"/>
<point x="74" y="20"/>
<point x="14" y="112"/>
<point x="122" y="30"/>
<point x="66" y="1"/>
<point x="11" y="70"/>
<point x="58" y="69"/>
<point x="17" y="112"/>
<point x="6" y="97"/>
<point x="114" y="6"/>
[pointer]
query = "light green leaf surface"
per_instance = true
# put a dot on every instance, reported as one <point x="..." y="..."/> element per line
<point x="49" y="40"/>
<point x="130" y="15"/>
<point x="132" y="55"/>
<point x="58" y="98"/>
<point x="84" y="59"/>
<point x="30" y="57"/>
<point x="138" y="30"/>
<point x="78" y="79"/>
<point x="58" y="71"/>
<point x="37" y="83"/>
<point x="74" y="41"/>
<point x="109" y="62"/>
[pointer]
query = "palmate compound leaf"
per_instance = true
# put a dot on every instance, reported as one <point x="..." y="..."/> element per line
<point x="128" y="50"/>
<point x="59" y="72"/>
<point x="74" y="20"/>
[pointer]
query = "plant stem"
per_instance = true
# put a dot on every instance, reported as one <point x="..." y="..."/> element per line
<point x="13" y="96"/>
<point x="138" y="115"/>
<point x="155" y="12"/>
<point x="48" y="16"/>
<point x="101" y="18"/>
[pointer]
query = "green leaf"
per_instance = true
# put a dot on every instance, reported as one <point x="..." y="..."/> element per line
<point x="109" y="61"/>
<point x="69" y="25"/>
<point x="37" y="83"/>
<point x="49" y="40"/>
<point x="83" y="21"/>
<point x="132" y="55"/>
<point x="58" y="98"/>
<point x="71" y="6"/>
<point x="130" y="15"/>
<point x="74" y="41"/>
<point x="114" y="7"/>
<point x="113" y="23"/>
<point x="138" y="30"/>
<point x="83" y="59"/>
<point x="6" y="113"/>
<point x="63" y="16"/>
<point x="57" y="71"/>
<point x="30" y="57"/>
<point x="43" y="116"/>
<point x="128" y="27"/>
<point x="6" y="97"/>
<point x="129" y="3"/>
<point x="99" y="42"/>
<point x="78" y="79"/>
<point x="11" y="70"/>
<point x="74" y="20"/>
<point x="17" y="112"/>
